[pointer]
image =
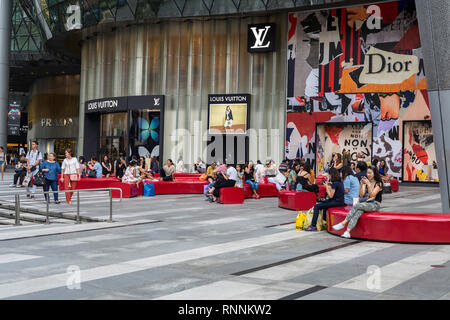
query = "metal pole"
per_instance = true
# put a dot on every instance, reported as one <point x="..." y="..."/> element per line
<point x="48" y="203"/>
<point x="17" y="207"/>
<point x="110" y="205"/>
<point x="78" y="206"/>
<point x="5" y="42"/>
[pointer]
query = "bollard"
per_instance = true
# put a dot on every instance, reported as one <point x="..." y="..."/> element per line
<point x="78" y="207"/>
<point x="110" y="205"/>
<point x="17" y="207"/>
<point x="48" y="201"/>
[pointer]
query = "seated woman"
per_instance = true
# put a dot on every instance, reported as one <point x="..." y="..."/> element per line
<point x="106" y="167"/>
<point x="335" y="190"/>
<point x="292" y="177"/>
<point x="383" y="170"/>
<point x="370" y="192"/>
<point x="271" y="171"/>
<point x="305" y="181"/>
<point x="83" y="167"/>
<point x="224" y="180"/>
<point x="351" y="185"/>
<point x="240" y="176"/>
<point x="154" y="165"/>
<point x="167" y="171"/>
<point x="130" y="174"/>
<point x="210" y="172"/>
<point x="249" y="178"/>
<point x="121" y="166"/>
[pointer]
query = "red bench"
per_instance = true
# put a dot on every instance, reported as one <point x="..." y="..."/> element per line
<point x="296" y="200"/>
<point x="178" y="186"/>
<point x="267" y="190"/>
<point x="231" y="195"/>
<point x="395" y="227"/>
<point x="91" y="183"/>
<point x="129" y="190"/>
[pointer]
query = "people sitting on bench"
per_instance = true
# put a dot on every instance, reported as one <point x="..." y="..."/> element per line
<point x="351" y="185"/>
<point x="121" y="166"/>
<point x="167" y="171"/>
<point x="293" y="173"/>
<point x="130" y="174"/>
<point x="249" y="178"/>
<point x="224" y="180"/>
<point x="210" y="172"/>
<point x="335" y="191"/>
<point x="361" y="170"/>
<point x="305" y="181"/>
<point x="273" y="174"/>
<point x="383" y="170"/>
<point x="370" y="192"/>
<point x="95" y="168"/>
<point x="21" y="171"/>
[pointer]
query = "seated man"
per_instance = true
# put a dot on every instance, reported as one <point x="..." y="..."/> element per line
<point x="224" y="180"/>
<point x="95" y="168"/>
<point x="21" y="171"/>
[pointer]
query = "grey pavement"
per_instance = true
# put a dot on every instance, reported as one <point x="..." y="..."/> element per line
<point x="182" y="247"/>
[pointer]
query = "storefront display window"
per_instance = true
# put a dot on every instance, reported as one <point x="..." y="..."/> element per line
<point x="144" y="132"/>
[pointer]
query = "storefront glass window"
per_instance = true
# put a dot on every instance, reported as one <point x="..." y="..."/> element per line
<point x="113" y="134"/>
<point x="144" y="133"/>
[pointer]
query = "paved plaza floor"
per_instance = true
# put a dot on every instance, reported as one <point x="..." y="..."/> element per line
<point x="182" y="247"/>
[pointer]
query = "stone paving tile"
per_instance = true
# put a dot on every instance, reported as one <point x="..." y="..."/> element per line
<point x="339" y="294"/>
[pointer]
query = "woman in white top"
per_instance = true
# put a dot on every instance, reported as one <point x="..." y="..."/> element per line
<point x="2" y="160"/>
<point x="70" y="174"/>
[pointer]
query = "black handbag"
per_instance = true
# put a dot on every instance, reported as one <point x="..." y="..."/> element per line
<point x="92" y="174"/>
<point x="39" y="179"/>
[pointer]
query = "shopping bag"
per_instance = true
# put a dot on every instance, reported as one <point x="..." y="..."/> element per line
<point x="309" y="217"/>
<point x="321" y="223"/>
<point x="149" y="189"/>
<point x="301" y="217"/>
<point x="26" y="181"/>
<point x="203" y="177"/>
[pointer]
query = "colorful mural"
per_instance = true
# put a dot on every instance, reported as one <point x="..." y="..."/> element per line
<point x="355" y="138"/>
<point x="358" y="64"/>
<point x="419" y="156"/>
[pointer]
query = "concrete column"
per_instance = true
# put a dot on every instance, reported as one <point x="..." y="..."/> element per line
<point x="5" y="45"/>
<point x="434" y="19"/>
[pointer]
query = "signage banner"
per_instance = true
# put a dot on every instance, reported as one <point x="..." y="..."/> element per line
<point x="261" y="37"/>
<point x="106" y="105"/>
<point x="14" y="114"/>
<point x="228" y="113"/>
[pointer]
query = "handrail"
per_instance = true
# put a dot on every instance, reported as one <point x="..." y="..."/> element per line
<point x="17" y="201"/>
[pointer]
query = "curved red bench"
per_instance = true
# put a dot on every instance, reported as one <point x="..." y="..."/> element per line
<point x="178" y="186"/>
<point x="231" y="195"/>
<point x="129" y="190"/>
<point x="395" y="227"/>
<point x="91" y="183"/>
<point x="248" y="193"/>
<point x="296" y="200"/>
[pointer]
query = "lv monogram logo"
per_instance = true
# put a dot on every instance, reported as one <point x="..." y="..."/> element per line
<point x="260" y="36"/>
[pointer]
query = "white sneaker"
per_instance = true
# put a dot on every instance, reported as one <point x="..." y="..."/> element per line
<point x="346" y="235"/>
<point x="12" y="185"/>
<point x="338" y="226"/>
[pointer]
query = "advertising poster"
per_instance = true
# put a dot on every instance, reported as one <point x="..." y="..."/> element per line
<point x="419" y="155"/>
<point x="14" y="114"/>
<point x="228" y="114"/>
<point x="339" y="138"/>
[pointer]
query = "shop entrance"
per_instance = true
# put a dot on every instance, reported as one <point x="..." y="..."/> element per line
<point x="113" y="134"/>
<point x="60" y="146"/>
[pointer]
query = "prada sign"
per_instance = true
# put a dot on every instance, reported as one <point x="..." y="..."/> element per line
<point x="261" y="37"/>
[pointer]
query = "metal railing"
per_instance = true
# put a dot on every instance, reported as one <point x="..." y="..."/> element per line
<point x="77" y="191"/>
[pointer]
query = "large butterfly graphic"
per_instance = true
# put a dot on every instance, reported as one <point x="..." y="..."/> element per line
<point x="148" y="130"/>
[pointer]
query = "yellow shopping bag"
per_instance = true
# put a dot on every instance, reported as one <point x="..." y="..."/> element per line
<point x="309" y="217"/>
<point x="321" y="224"/>
<point x="301" y="217"/>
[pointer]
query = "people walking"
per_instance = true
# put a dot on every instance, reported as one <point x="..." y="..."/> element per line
<point x="51" y="169"/>
<point x="34" y="157"/>
<point x="70" y="174"/>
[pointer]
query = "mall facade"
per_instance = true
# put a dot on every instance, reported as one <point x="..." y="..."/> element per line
<point x="299" y="78"/>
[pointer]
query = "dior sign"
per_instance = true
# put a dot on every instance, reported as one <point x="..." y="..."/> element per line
<point x="261" y="37"/>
